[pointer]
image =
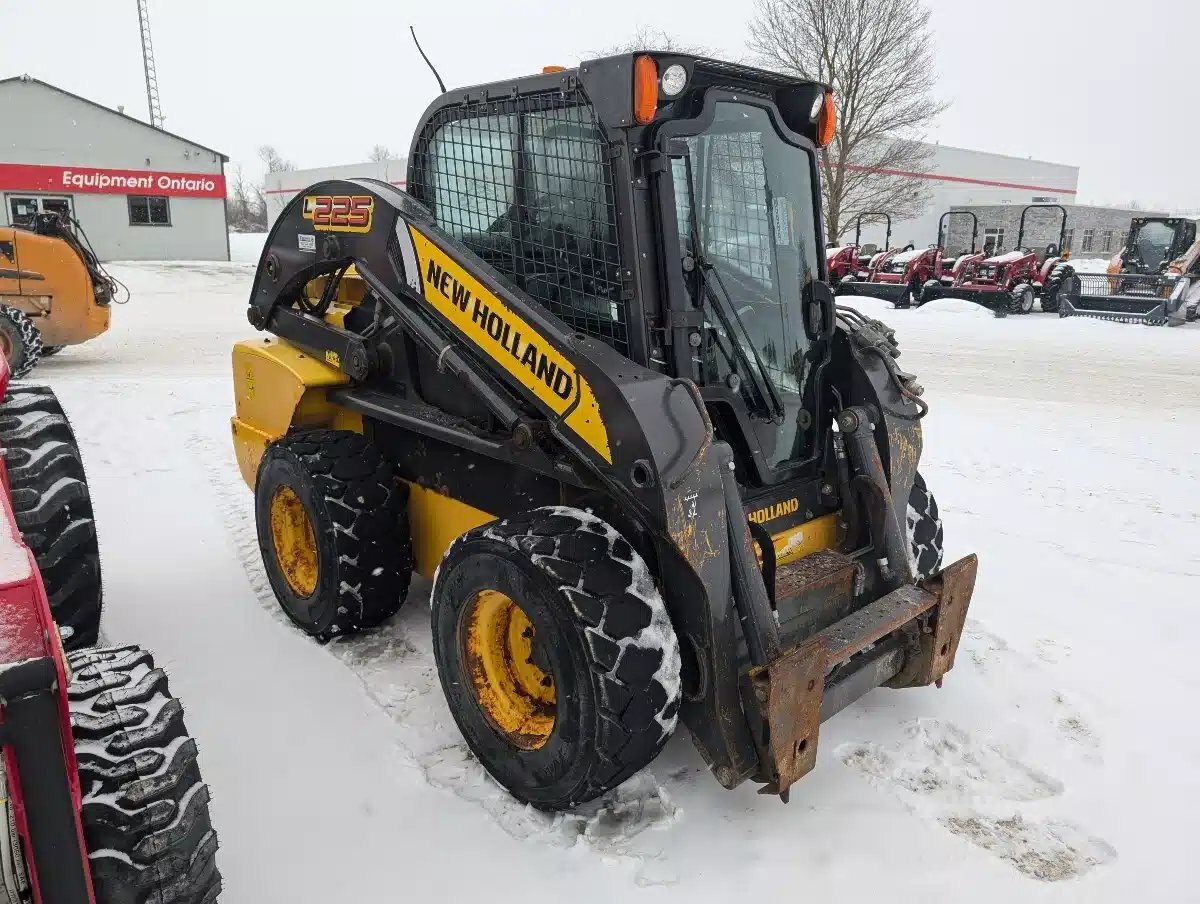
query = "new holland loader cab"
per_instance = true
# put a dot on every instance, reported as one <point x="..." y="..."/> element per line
<point x="589" y="379"/>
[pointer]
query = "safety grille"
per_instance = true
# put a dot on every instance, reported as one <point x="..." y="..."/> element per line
<point x="733" y="183"/>
<point x="526" y="184"/>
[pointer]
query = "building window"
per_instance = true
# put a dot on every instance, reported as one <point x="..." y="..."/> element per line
<point x="146" y="210"/>
<point x="1069" y="239"/>
<point x="993" y="240"/>
<point x="1106" y="238"/>
<point x="1089" y="239"/>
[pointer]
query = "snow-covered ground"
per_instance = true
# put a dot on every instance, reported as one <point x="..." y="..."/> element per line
<point x="1060" y="762"/>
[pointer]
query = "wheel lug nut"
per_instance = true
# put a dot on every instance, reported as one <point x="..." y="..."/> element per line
<point x="547" y="681"/>
<point x="527" y="633"/>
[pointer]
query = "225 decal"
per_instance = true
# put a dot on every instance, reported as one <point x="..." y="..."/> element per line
<point x="339" y="213"/>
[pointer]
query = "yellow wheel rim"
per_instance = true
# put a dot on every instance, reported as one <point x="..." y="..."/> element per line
<point x="294" y="541"/>
<point x="513" y="692"/>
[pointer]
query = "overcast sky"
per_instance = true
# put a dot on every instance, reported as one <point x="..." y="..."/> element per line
<point x="1110" y="88"/>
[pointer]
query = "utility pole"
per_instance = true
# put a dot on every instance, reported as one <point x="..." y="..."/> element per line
<point x="156" y="117"/>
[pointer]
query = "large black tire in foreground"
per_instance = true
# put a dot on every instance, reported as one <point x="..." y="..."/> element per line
<point x="20" y="341"/>
<point x="333" y="531"/>
<point x="53" y="507"/>
<point x="556" y="654"/>
<point x="145" y="808"/>
<point x="925" y="534"/>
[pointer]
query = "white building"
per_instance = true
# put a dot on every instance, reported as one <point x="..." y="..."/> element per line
<point x="138" y="192"/>
<point x="958" y="177"/>
<point x="282" y="187"/>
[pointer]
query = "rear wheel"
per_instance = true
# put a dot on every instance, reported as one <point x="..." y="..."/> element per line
<point x="20" y="341"/>
<point x="556" y="654"/>
<point x="1021" y="300"/>
<point x="53" y="508"/>
<point x="333" y="531"/>
<point x="145" y="808"/>
<point x="925" y="535"/>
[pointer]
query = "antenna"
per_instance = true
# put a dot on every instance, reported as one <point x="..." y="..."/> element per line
<point x="156" y="117"/>
<point x="413" y="32"/>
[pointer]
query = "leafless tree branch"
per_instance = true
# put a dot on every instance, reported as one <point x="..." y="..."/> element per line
<point x="878" y="57"/>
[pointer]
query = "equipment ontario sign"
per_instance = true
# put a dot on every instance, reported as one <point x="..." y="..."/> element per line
<point x="64" y="180"/>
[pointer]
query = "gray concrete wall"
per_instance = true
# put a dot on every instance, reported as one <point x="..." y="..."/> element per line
<point x="1108" y="227"/>
<point x="47" y="127"/>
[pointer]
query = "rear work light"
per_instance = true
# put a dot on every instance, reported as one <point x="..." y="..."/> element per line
<point x="826" y="121"/>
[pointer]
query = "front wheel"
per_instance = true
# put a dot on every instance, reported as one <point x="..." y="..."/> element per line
<point x="146" y="824"/>
<point x="556" y="654"/>
<point x="925" y="534"/>
<point x="1022" y="298"/>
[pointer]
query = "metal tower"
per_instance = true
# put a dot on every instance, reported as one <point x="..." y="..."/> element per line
<point x="156" y="117"/>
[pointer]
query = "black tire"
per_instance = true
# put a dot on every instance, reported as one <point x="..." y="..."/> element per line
<point x="145" y="814"/>
<point x="929" y="291"/>
<point x="20" y="341"/>
<point x="925" y="534"/>
<point x="1021" y="299"/>
<point x="50" y="350"/>
<point x="358" y="515"/>
<point x="53" y="508"/>
<point x="1063" y="282"/>
<point x="605" y="641"/>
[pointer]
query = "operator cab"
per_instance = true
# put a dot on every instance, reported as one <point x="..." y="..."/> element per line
<point x="667" y="205"/>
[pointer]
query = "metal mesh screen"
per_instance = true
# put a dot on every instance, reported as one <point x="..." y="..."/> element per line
<point x="526" y="184"/>
<point x="736" y="221"/>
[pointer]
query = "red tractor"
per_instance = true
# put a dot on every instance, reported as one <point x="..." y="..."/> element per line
<point x="101" y="796"/>
<point x="900" y="275"/>
<point x="848" y="261"/>
<point x="1011" y="282"/>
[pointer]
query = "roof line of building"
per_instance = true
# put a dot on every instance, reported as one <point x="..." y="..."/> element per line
<point x="955" y="147"/>
<point x="133" y="119"/>
<point x="939" y="177"/>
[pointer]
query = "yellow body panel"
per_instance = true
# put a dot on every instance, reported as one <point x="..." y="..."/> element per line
<point x="277" y="386"/>
<point x="805" y="539"/>
<point x="512" y="343"/>
<point x="435" y="521"/>
<point x="45" y="279"/>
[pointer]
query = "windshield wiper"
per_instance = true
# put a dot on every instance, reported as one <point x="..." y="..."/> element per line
<point x="755" y="367"/>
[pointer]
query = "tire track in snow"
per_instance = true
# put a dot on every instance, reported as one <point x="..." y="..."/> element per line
<point x="396" y="668"/>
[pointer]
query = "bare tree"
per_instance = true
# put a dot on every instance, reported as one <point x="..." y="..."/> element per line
<point x="878" y="57"/>
<point x="273" y="160"/>
<point x="381" y="153"/>
<point x="241" y="203"/>
<point x="646" y="37"/>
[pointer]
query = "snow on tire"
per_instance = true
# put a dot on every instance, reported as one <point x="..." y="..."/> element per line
<point x="925" y="535"/>
<point x="145" y="807"/>
<point x="603" y="632"/>
<point x="21" y="339"/>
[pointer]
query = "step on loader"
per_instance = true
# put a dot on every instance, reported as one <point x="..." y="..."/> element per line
<point x="54" y="292"/>
<point x="589" y="379"/>
<point x="101" y="800"/>
<point x="1152" y="280"/>
<point x="1012" y="282"/>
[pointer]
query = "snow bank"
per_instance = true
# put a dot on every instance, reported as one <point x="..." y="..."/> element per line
<point x="246" y="247"/>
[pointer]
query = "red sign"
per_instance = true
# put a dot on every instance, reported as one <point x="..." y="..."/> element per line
<point x="89" y="180"/>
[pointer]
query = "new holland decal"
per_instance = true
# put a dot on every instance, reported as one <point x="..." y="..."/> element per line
<point x="515" y="345"/>
<point x="778" y="510"/>
<point x="339" y="213"/>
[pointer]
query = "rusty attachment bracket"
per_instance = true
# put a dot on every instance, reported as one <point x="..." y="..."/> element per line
<point x="789" y="692"/>
<point x="953" y="588"/>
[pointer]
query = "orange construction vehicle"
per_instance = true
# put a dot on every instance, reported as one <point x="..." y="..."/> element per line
<point x="53" y="292"/>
